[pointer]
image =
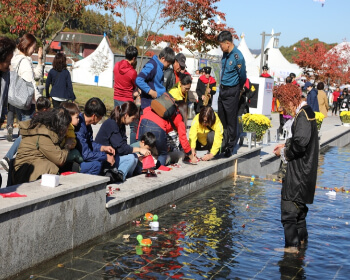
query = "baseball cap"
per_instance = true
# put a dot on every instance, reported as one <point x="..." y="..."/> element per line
<point x="307" y="84"/>
<point x="181" y="59"/>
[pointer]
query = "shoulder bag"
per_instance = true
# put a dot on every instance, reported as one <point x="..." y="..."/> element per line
<point x="21" y="92"/>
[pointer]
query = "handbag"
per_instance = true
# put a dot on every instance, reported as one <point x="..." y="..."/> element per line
<point x="164" y="106"/>
<point x="21" y="92"/>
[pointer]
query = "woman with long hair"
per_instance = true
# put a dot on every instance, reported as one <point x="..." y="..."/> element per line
<point x="60" y="80"/>
<point x="40" y="152"/>
<point x="113" y="133"/>
<point x="151" y="122"/>
<point x="206" y="133"/>
<point x="22" y="62"/>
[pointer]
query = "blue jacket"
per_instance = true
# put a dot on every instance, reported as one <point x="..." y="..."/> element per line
<point x="312" y="100"/>
<point x="233" y="68"/>
<point x="90" y="150"/>
<point x="110" y="134"/>
<point x="61" y="84"/>
<point x="150" y="77"/>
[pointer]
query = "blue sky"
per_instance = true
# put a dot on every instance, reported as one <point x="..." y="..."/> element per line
<point x="295" y="19"/>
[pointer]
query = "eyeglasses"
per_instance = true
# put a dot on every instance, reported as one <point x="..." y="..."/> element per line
<point x="186" y="88"/>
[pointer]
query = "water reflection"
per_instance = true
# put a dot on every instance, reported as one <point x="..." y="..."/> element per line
<point x="291" y="266"/>
<point x="229" y="231"/>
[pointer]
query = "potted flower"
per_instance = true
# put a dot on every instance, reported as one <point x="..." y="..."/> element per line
<point x="319" y="119"/>
<point x="256" y="123"/>
<point x="345" y="118"/>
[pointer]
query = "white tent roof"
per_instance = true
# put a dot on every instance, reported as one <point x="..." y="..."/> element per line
<point x="245" y="50"/>
<point x="279" y="66"/>
<point x="82" y="69"/>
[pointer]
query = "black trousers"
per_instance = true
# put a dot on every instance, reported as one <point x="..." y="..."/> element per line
<point x="210" y="141"/>
<point x="228" y="113"/>
<point x="282" y="122"/>
<point x="293" y="216"/>
<point x="10" y="115"/>
<point x="335" y="107"/>
<point x="55" y="103"/>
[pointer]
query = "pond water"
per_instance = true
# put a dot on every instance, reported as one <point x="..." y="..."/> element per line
<point x="229" y="231"/>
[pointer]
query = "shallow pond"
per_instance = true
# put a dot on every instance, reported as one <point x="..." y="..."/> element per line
<point x="229" y="231"/>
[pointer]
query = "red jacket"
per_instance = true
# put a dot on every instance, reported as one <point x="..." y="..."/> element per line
<point x="336" y="95"/>
<point x="205" y="80"/>
<point x="124" y="81"/>
<point x="265" y="75"/>
<point x="148" y="114"/>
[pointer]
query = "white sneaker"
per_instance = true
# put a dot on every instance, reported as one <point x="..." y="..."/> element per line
<point x="5" y="163"/>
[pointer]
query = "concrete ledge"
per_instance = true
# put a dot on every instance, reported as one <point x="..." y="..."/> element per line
<point x="339" y="139"/>
<point x="37" y="193"/>
<point x="49" y="221"/>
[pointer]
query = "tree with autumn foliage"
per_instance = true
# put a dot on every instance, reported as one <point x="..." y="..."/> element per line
<point x="150" y="17"/>
<point x="289" y="52"/>
<point x="33" y="15"/>
<point x="145" y="20"/>
<point x="199" y="19"/>
<point x="324" y="64"/>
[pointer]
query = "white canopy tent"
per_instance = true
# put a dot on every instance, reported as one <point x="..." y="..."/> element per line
<point x="249" y="58"/>
<point x="279" y="66"/>
<point x="102" y="58"/>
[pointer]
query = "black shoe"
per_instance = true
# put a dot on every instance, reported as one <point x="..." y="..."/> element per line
<point x="75" y="167"/>
<point x="119" y="176"/>
<point x="109" y="174"/>
<point x="9" y="136"/>
<point x="115" y="175"/>
<point x="228" y="152"/>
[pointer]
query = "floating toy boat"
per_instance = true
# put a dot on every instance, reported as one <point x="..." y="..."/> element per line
<point x="144" y="242"/>
<point x="150" y="217"/>
<point x="331" y="193"/>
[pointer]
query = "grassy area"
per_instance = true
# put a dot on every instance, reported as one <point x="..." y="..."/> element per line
<point x="84" y="92"/>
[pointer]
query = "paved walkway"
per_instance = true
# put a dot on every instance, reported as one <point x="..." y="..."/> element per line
<point x="331" y="126"/>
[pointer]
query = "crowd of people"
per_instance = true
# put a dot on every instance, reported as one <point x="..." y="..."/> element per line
<point x="60" y="139"/>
